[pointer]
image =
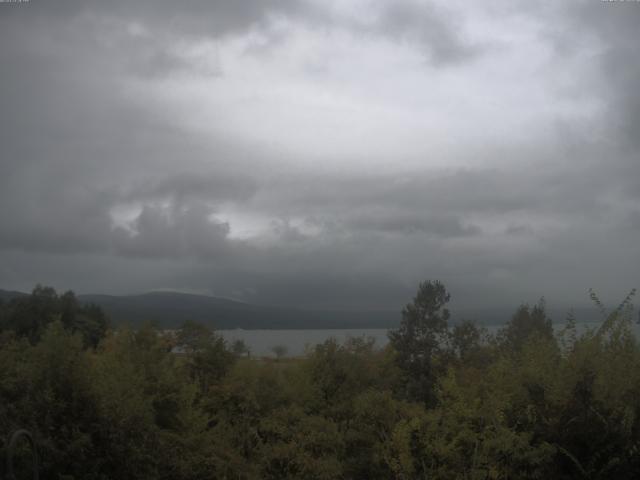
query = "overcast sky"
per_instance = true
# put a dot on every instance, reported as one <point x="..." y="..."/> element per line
<point x="321" y="153"/>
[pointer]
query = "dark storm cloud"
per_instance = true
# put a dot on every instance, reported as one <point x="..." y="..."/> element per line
<point x="193" y="17"/>
<point x="402" y="223"/>
<point x="173" y="232"/>
<point x="517" y="229"/>
<point x="634" y="220"/>
<point x="610" y="30"/>
<point x="40" y="219"/>
<point x="433" y="195"/>
<point x="104" y="190"/>
<point x="437" y="34"/>
<point x="182" y="187"/>
<point x="73" y="148"/>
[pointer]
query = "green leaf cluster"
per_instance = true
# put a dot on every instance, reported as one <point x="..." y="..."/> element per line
<point x="439" y="402"/>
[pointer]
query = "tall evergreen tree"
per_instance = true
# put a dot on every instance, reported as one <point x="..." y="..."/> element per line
<point x="420" y="340"/>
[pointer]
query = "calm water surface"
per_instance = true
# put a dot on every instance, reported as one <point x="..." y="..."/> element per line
<point x="261" y="342"/>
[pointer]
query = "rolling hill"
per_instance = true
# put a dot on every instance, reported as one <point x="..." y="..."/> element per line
<point x="170" y="309"/>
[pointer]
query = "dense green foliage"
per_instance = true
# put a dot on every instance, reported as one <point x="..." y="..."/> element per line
<point x="440" y="401"/>
<point x="28" y="316"/>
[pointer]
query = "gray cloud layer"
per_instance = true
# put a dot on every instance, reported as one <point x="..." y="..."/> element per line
<point x="148" y="145"/>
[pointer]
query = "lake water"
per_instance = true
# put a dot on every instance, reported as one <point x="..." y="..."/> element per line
<point x="261" y="342"/>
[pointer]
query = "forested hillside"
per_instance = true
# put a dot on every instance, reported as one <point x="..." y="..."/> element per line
<point x="440" y="401"/>
<point x="170" y="309"/>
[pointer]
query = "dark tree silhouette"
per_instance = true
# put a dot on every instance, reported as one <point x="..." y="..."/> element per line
<point x="420" y="340"/>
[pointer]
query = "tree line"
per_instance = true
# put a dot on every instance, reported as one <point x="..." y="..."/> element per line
<point x="439" y="401"/>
